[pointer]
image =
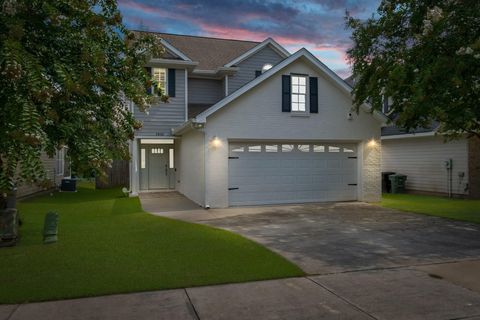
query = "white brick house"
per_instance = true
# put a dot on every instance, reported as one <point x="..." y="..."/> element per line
<point x="273" y="128"/>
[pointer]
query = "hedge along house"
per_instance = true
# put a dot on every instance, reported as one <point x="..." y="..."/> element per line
<point x="260" y="126"/>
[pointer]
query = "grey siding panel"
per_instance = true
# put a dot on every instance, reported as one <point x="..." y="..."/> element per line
<point x="162" y="117"/>
<point x="422" y="160"/>
<point x="204" y="91"/>
<point x="248" y="67"/>
<point x="50" y="167"/>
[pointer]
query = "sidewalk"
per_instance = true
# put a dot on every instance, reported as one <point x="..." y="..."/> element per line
<point x="405" y="293"/>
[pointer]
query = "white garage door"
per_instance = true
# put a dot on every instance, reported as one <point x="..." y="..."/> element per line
<point x="268" y="173"/>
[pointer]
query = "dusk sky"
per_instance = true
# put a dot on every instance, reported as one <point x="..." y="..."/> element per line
<point x="317" y="25"/>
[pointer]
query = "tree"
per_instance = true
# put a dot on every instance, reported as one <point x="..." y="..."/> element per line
<point x="425" y="56"/>
<point x="68" y="69"/>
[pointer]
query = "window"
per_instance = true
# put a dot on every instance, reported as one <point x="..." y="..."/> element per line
<point x="271" y="148"/>
<point x="318" y="148"/>
<point x="287" y="147"/>
<point x="142" y="159"/>
<point x="238" y="149"/>
<point x="170" y="159"/>
<point x="157" y="151"/>
<point x="347" y="150"/>
<point x="60" y="162"/>
<point x="304" y="148"/>
<point x="299" y="93"/>
<point x="255" y="148"/>
<point x="333" y="149"/>
<point x="160" y="78"/>
<point x="156" y="141"/>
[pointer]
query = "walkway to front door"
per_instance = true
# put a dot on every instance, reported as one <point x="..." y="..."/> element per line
<point x="167" y="202"/>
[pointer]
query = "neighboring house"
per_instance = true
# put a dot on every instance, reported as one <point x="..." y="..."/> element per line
<point x="56" y="169"/>
<point x="431" y="164"/>
<point x="249" y="123"/>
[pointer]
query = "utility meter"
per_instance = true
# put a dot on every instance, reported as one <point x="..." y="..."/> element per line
<point x="448" y="164"/>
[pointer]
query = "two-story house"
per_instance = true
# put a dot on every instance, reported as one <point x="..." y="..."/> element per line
<point x="249" y="123"/>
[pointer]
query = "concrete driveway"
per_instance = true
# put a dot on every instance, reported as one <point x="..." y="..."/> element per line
<point x="338" y="237"/>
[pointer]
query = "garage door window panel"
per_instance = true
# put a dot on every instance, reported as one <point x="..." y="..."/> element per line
<point x="271" y="148"/>
<point x="287" y="147"/>
<point x="238" y="149"/>
<point x="304" y="148"/>
<point x="255" y="148"/>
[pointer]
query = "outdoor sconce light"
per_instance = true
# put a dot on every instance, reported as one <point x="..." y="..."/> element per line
<point x="216" y="142"/>
<point x="372" y="143"/>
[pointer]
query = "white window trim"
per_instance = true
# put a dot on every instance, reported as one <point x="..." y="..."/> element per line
<point x="60" y="162"/>
<point x="299" y="112"/>
<point x="152" y="73"/>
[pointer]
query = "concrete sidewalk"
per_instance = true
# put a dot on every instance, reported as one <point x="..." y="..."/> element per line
<point x="405" y="293"/>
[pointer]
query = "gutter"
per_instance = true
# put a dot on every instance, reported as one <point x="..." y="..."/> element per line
<point x="410" y="135"/>
<point x="191" y="124"/>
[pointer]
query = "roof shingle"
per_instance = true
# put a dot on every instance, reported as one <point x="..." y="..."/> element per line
<point x="210" y="53"/>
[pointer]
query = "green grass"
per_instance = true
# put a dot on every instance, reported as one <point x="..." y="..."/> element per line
<point x="108" y="245"/>
<point x="458" y="209"/>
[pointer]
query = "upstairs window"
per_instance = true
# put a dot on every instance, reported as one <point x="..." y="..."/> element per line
<point x="299" y="93"/>
<point x="160" y="78"/>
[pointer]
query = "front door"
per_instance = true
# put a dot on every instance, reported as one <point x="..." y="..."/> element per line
<point x="155" y="167"/>
<point x="158" y="168"/>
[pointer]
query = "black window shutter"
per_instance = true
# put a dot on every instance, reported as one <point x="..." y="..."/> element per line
<point x="149" y="72"/>
<point x="313" y="95"/>
<point x="171" y="82"/>
<point x="257" y="73"/>
<point x="286" y="97"/>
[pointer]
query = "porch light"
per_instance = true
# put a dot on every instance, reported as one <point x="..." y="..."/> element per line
<point x="372" y="143"/>
<point x="216" y="142"/>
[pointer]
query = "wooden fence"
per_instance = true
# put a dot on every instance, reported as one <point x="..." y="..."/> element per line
<point x="117" y="176"/>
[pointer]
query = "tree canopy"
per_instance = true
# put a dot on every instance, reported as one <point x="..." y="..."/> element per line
<point x="68" y="71"/>
<point x="425" y="56"/>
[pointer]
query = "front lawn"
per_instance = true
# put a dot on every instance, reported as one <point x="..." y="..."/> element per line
<point x="108" y="245"/>
<point x="458" y="209"/>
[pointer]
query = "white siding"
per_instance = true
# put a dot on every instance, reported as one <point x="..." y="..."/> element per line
<point x="257" y="115"/>
<point x="422" y="160"/>
<point x="162" y="117"/>
<point x="250" y="65"/>
<point x="191" y="165"/>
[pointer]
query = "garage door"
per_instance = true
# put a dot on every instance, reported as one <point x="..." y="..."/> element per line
<point x="269" y="173"/>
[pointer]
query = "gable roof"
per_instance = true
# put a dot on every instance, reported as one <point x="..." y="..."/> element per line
<point x="267" y="42"/>
<point x="211" y="53"/>
<point x="346" y="89"/>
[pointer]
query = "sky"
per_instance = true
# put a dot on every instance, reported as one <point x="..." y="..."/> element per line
<point x="317" y="25"/>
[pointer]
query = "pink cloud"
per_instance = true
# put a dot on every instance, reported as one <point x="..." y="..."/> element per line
<point x="333" y="55"/>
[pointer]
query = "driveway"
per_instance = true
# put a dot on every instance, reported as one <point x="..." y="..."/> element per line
<point x="338" y="237"/>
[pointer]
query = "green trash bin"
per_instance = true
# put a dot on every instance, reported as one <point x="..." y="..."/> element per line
<point x="398" y="183"/>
